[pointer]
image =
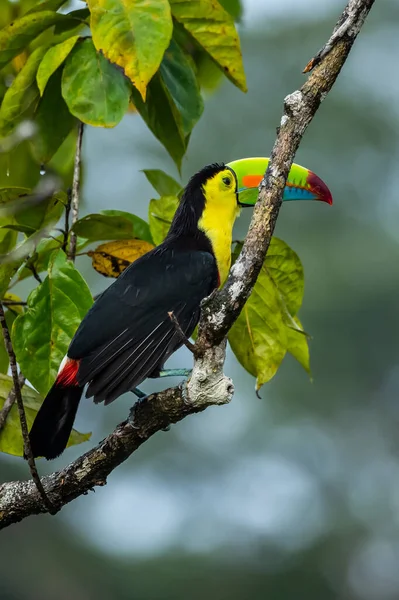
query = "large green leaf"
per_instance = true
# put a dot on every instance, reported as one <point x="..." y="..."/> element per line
<point x="35" y="216"/>
<point x="11" y="440"/>
<point x="21" y="93"/>
<point x="112" y="225"/>
<point x="53" y="119"/>
<point x="161" y="115"/>
<point x="160" y="215"/>
<point x="267" y="327"/>
<point x="18" y="34"/>
<point x="163" y="183"/>
<point x="214" y="29"/>
<point x="41" y="336"/>
<point x="178" y="76"/>
<point x="95" y="91"/>
<point x="133" y="34"/>
<point x="53" y="58"/>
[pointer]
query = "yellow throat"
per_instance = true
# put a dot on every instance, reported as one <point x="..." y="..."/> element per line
<point x="217" y="220"/>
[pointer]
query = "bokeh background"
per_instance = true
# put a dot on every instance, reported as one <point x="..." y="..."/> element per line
<point x="295" y="495"/>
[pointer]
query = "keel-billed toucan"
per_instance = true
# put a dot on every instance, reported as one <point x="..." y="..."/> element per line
<point x="127" y="335"/>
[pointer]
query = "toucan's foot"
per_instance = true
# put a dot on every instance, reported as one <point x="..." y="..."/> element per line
<point x="175" y="373"/>
<point x="141" y="398"/>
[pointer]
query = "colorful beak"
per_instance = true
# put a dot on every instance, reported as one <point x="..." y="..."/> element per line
<point x="301" y="184"/>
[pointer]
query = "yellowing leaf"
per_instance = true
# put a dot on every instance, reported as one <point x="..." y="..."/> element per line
<point x="18" y="34"/>
<point x="11" y="440"/>
<point x="268" y="327"/>
<point x="133" y="34"/>
<point x="114" y="257"/>
<point x="53" y="58"/>
<point x="214" y="29"/>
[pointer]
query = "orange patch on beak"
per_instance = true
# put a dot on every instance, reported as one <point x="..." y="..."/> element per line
<point x="251" y="181"/>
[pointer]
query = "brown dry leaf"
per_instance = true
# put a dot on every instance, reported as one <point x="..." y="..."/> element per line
<point x="112" y="258"/>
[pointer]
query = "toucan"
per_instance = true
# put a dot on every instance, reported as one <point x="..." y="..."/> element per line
<point x="128" y="334"/>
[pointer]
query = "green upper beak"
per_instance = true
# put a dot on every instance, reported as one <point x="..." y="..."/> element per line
<point x="301" y="184"/>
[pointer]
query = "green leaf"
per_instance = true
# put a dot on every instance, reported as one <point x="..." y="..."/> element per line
<point x="44" y="214"/>
<point x="46" y="5"/>
<point x="7" y="272"/>
<point x="134" y="35"/>
<point x="53" y="58"/>
<point x="181" y="82"/>
<point x="297" y="344"/>
<point x="160" y="215"/>
<point x="95" y="91"/>
<point x="41" y="336"/>
<point x="53" y="120"/>
<point x="21" y="93"/>
<point x="7" y="194"/>
<point x="40" y="258"/>
<point x="162" y="117"/>
<point x="11" y="440"/>
<point x="267" y="327"/>
<point x="112" y="225"/>
<point x="285" y="269"/>
<point x="163" y="183"/>
<point x="18" y="34"/>
<point x="214" y="29"/>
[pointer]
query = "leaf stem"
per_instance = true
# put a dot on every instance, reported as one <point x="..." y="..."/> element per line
<point x="75" y="193"/>
<point x="22" y="416"/>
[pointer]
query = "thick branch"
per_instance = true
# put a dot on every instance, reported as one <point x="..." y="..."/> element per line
<point x="207" y="385"/>
<point x="19" y="499"/>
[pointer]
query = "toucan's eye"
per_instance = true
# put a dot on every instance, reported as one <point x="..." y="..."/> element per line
<point x="226" y="180"/>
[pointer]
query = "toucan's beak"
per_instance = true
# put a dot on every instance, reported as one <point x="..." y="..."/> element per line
<point x="301" y="184"/>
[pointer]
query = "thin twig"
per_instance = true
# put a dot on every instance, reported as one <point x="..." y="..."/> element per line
<point x="35" y="274"/>
<point x="75" y="193"/>
<point x="22" y="416"/>
<point x="189" y="345"/>
<point x="66" y="226"/>
<point x="8" y="404"/>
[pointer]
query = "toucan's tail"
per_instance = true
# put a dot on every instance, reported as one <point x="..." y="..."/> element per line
<point x="53" y="423"/>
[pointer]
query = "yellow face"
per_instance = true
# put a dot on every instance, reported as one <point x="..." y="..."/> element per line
<point x="217" y="220"/>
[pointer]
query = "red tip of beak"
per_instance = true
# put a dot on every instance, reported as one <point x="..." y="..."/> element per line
<point x="319" y="188"/>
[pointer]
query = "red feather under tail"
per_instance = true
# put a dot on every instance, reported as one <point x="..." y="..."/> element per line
<point x="53" y="424"/>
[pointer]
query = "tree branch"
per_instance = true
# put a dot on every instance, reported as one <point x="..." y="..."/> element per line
<point x="207" y="385"/>
<point x="74" y="204"/>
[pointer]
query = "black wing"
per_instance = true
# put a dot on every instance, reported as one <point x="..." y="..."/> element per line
<point x="127" y="334"/>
